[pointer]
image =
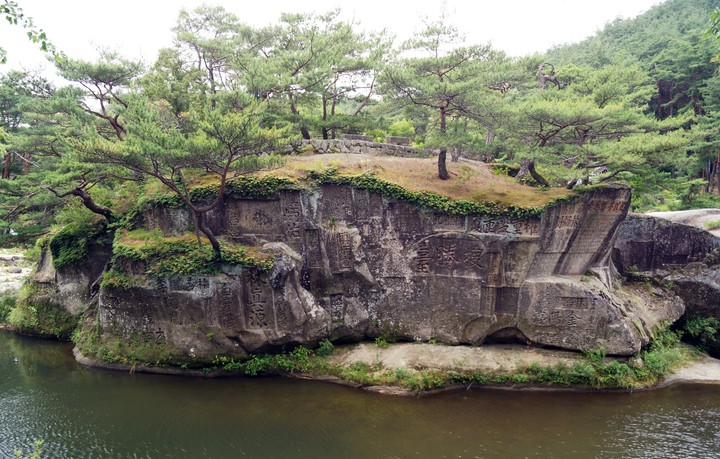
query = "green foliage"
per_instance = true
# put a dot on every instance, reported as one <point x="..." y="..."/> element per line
<point x="132" y="350"/>
<point x="325" y="348"/>
<point x="227" y="363"/>
<point x="402" y="128"/>
<point x="36" y="312"/>
<point x="381" y="343"/>
<point x="301" y="359"/>
<point x="179" y="256"/>
<point x="241" y="186"/>
<point x="703" y="332"/>
<point x="426" y="199"/>
<point x="70" y="246"/>
<point x="595" y="356"/>
<point x="14" y="15"/>
<point x="114" y="278"/>
<point x="8" y="302"/>
<point x="258" y="364"/>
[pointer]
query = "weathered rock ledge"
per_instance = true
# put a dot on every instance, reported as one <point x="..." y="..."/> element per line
<point x="352" y="265"/>
<point x="675" y="254"/>
<point x="507" y="359"/>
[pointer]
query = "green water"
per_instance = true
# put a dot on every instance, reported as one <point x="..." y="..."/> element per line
<point x="85" y="413"/>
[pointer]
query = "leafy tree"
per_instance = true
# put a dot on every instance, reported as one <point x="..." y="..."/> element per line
<point x="315" y="70"/>
<point x="14" y="15"/>
<point x="210" y="37"/>
<point x="436" y="73"/>
<point x="156" y="147"/>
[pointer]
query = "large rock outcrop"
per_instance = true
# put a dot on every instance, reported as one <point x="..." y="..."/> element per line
<point x="684" y="256"/>
<point x="351" y="264"/>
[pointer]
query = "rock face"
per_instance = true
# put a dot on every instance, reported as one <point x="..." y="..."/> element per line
<point x="73" y="287"/>
<point x="685" y="256"/>
<point x="649" y="244"/>
<point x="350" y="264"/>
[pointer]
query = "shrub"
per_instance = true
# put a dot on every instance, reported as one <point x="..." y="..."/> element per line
<point x="325" y="348"/>
<point x="402" y="128"/>
<point x="8" y="301"/>
<point x="69" y="247"/>
<point x="703" y="331"/>
<point x="37" y="312"/>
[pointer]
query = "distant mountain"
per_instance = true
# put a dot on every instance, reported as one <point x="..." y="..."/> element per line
<point x="668" y="41"/>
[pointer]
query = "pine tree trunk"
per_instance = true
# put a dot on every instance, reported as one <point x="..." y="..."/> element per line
<point x="6" y="166"/>
<point x="442" y="164"/>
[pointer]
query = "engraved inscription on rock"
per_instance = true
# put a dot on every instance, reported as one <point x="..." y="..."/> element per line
<point x="228" y="314"/>
<point x="340" y="251"/>
<point x="259" y="311"/>
<point x="292" y="218"/>
<point x="457" y="255"/>
<point x="246" y="217"/>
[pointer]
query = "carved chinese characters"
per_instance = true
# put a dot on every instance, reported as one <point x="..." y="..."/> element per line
<point x="451" y="254"/>
<point x="243" y="218"/>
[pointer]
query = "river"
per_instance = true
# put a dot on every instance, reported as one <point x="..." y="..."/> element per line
<point x="88" y="413"/>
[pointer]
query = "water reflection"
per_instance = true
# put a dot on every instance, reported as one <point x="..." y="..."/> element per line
<point x="89" y="413"/>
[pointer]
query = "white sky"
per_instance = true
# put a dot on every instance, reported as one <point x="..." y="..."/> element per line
<point x="138" y="28"/>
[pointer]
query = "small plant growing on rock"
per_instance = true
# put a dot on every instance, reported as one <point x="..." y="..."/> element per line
<point x="325" y="348"/>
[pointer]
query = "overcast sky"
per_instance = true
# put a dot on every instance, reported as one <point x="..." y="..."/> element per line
<point x="138" y="28"/>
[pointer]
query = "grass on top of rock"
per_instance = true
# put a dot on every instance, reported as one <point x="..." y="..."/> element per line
<point x="469" y="181"/>
<point x="167" y="256"/>
<point x="712" y="225"/>
<point x="70" y="246"/>
<point x="473" y="188"/>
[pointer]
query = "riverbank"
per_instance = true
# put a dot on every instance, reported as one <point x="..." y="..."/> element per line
<point x="416" y="369"/>
<point x="14" y="269"/>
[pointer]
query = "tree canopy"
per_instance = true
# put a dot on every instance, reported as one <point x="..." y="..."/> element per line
<point x="638" y="103"/>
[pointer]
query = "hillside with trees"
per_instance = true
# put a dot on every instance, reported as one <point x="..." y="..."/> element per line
<point x="637" y="103"/>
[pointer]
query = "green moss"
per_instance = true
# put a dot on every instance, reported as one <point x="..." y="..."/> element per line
<point x="129" y="351"/>
<point x="244" y="185"/>
<point x="70" y="246"/>
<point x="37" y="313"/>
<point x="427" y="199"/>
<point x="182" y="256"/>
<point x="114" y="278"/>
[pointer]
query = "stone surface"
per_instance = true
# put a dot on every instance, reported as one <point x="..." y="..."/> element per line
<point x="353" y="265"/>
<point x="73" y="286"/>
<point x="358" y="145"/>
<point x="648" y="244"/>
<point x="696" y="217"/>
<point x="676" y="254"/>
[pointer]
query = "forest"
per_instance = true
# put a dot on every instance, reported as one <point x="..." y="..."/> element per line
<point x="637" y="103"/>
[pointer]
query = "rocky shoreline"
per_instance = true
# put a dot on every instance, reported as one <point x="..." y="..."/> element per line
<point x="701" y="369"/>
